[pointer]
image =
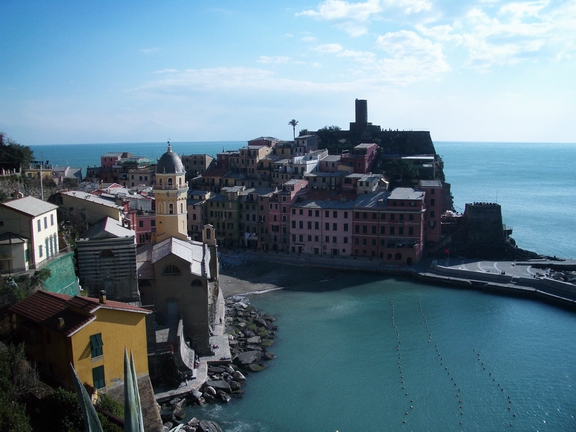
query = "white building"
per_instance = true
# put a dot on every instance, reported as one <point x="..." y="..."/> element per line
<point x="28" y="234"/>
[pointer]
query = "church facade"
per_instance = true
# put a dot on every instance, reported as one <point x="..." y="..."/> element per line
<point x="178" y="277"/>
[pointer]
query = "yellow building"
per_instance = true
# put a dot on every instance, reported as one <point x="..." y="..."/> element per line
<point x="89" y="333"/>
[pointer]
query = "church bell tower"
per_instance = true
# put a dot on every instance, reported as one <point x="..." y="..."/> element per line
<point x="170" y="191"/>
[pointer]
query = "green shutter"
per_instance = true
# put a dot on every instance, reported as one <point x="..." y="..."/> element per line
<point x="98" y="377"/>
<point x="96" y="345"/>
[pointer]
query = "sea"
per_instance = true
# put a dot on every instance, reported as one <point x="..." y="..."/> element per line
<point x="373" y="353"/>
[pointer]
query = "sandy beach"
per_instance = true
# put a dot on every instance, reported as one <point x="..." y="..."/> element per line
<point x="238" y="276"/>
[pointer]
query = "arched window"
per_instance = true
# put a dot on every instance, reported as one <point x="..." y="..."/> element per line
<point x="398" y="256"/>
<point x="170" y="181"/>
<point x="107" y="254"/>
<point x="171" y="209"/>
<point x="171" y="270"/>
<point x="180" y="180"/>
<point x="196" y="282"/>
<point x="181" y="207"/>
<point x="160" y="180"/>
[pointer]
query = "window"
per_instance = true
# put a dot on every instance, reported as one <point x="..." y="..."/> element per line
<point x="96" y="345"/>
<point x="432" y="201"/>
<point x="153" y="222"/>
<point x="98" y="377"/>
<point x="335" y="227"/>
<point x="107" y="254"/>
<point x="327" y="226"/>
<point x="391" y="230"/>
<point x="335" y="214"/>
<point x="171" y="208"/>
<point x="45" y="222"/>
<point x="327" y="213"/>
<point x="171" y="269"/>
<point x="334" y="239"/>
<point x="51" y="220"/>
<point x="39" y="225"/>
<point x="316" y="239"/>
<point x="309" y="224"/>
<point x="141" y="224"/>
<point x="346" y="240"/>
<point x="40" y="251"/>
<point x="345" y="227"/>
<point x="326" y="239"/>
<point x="345" y="215"/>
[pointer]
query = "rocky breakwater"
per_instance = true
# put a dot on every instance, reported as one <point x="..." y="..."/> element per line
<point x="250" y="334"/>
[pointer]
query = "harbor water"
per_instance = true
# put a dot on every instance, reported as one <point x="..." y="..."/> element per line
<point x="370" y="353"/>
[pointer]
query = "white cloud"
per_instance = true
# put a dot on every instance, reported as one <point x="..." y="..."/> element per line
<point x="355" y="18"/>
<point x="410" y="57"/>
<point x="510" y="33"/>
<point x="181" y="83"/>
<point x="332" y="48"/>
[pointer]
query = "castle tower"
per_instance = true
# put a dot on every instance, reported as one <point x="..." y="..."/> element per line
<point x="170" y="191"/>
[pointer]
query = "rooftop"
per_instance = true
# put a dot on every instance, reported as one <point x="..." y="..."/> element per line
<point x="30" y="206"/>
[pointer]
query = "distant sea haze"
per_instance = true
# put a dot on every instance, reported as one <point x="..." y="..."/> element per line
<point x="534" y="183"/>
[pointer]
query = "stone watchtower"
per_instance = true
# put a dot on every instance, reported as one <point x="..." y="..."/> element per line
<point x="170" y="191"/>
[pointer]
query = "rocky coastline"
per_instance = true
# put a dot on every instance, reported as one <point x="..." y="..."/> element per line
<point x="251" y="333"/>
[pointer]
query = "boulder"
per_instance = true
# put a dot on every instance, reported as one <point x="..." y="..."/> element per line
<point x="179" y="413"/>
<point x="209" y="426"/>
<point x="248" y="357"/>
<point x="238" y="376"/>
<point x="260" y="322"/>
<point x="219" y="385"/>
<point x="254" y="340"/>
<point x="255" y="367"/>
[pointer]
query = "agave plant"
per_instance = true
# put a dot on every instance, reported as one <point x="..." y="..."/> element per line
<point x="133" y="419"/>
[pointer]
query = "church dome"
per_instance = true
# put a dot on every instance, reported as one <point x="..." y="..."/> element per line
<point x="170" y="163"/>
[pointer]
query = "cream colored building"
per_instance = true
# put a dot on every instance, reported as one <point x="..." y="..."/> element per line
<point x="28" y="234"/>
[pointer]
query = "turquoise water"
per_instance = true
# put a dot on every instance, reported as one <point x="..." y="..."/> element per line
<point x="342" y="365"/>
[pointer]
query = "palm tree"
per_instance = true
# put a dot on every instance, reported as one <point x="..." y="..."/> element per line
<point x="293" y="123"/>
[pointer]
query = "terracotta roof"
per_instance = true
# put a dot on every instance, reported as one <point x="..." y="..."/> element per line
<point x="51" y="310"/>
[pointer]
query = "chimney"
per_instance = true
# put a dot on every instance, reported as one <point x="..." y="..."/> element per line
<point x="102" y="297"/>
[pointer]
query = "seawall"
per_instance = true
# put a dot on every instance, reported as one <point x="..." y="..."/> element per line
<point x="524" y="279"/>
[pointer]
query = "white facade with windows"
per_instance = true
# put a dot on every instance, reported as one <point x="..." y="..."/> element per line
<point x="33" y="220"/>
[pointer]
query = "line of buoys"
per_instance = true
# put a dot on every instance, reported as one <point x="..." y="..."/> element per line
<point x="498" y="386"/>
<point x="441" y="358"/>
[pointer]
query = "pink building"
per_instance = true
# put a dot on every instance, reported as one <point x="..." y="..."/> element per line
<point x="390" y="226"/>
<point x="361" y="158"/>
<point x="322" y="227"/>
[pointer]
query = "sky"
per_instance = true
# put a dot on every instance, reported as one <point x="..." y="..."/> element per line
<point x="193" y="70"/>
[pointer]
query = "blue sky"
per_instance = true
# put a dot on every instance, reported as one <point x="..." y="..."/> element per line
<point x="134" y="71"/>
